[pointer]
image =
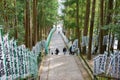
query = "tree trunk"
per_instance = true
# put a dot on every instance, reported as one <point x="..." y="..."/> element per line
<point x="77" y="23"/>
<point x="118" y="46"/>
<point x="67" y="32"/>
<point x="105" y="22"/>
<point x="91" y="29"/>
<point x="35" y="21"/>
<point x="27" y="27"/>
<point x="5" y="17"/>
<point x="74" y="32"/>
<point x="31" y="30"/>
<point x="15" y="24"/>
<point x="101" y="25"/>
<point x="45" y="32"/>
<point x="40" y="33"/>
<point x="109" y="18"/>
<point x="40" y="22"/>
<point x="86" y="22"/>
<point x="24" y="23"/>
<point x="112" y="44"/>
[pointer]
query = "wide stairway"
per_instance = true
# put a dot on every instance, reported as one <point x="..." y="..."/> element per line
<point x="60" y="67"/>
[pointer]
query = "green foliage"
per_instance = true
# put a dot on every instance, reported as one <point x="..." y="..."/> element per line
<point x="10" y="11"/>
<point x="115" y="26"/>
<point x="21" y="33"/>
<point x="69" y="17"/>
<point x="69" y="13"/>
<point x="72" y="37"/>
<point x="49" y="14"/>
<point x="47" y="11"/>
<point x="20" y="11"/>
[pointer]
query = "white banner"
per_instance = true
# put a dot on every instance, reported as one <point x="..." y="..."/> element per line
<point x="12" y="58"/>
<point x="85" y="41"/>
<point x="97" y="64"/>
<point x="20" y="60"/>
<point x="16" y="62"/>
<point x="95" y="67"/>
<point x="105" y="38"/>
<point x="119" y="65"/>
<point x="75" y="43"/>
<point x="2" y="60"/>
<point x="95" y="39"/>
<point x="103" y="64"/>
<point x="110" y="64"/>
<point x="25" y="63"/>
<point x="7" y="57"/>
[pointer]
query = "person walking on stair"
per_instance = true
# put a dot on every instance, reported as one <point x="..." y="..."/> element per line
<point x="64" y="50"/>
<point x="71" y="50"/>
<point x="56" y="51"/>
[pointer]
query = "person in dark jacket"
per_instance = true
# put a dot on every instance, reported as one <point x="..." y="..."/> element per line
<point x="64" y="50"/>
<point x="70" y="50"/>
<point x="56" y="51"/>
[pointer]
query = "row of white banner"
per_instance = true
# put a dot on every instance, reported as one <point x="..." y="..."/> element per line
<point x="106" y="39"/>
<point x="109" y="66"/>
<point x="17" y="61"/>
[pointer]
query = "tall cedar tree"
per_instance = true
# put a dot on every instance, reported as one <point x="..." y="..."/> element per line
<point x="118" y="47"/>
<point x="15" y="20"/>
<point x="109" y="20"/>
<point x="77" y="23"/>
<point x="101" y="25"/>
<point x="5" y="16"/>
<point x="91" y="29"/>
<point x="35" y="21"/>
<point x="86" y="22"/>
<point x="27" y="24"/>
